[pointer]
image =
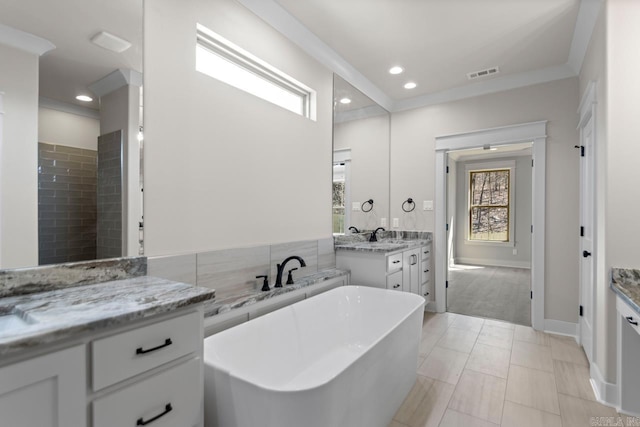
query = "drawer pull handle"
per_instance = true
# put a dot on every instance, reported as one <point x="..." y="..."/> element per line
<point x="396" y="286"/>
<point x="167" y="343"/>
<point x="396" y="261"/>
<point x="168" y="408"/>
<point x="630" y="320"/>
<point x="426" y="271"/>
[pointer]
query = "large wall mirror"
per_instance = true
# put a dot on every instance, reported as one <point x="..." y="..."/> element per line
<point x="360" y="162"/>
<point x="85" y="186"/>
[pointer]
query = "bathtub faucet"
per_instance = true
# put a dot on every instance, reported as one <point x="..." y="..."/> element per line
<point x="281" y="269"/>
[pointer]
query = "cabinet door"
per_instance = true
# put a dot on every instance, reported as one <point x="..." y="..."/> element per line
<point x="411" y="271"/>
<point x="45" y="391"/>
<point x="394" y="281"/>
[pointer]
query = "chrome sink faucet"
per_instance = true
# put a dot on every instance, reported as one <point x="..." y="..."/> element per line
<point x="278" y="283"/>
<point x="373" y="237"/>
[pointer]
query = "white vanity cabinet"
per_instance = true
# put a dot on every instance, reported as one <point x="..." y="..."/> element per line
<point x="406" y="270"/>
<point x="48" y="390"/>
<point x="147" y="372"/>
<point x="628" y="350"/>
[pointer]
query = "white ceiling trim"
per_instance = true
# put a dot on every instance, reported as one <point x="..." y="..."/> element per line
<point x="494" y="85"/>
<point x="65" y="107"/>
<point x="24" y="41"/>
<point x="276" y="16"/>
<point x="116" y="80"/>
<point x="586" y="22"/>
<point x="273" y="14"/>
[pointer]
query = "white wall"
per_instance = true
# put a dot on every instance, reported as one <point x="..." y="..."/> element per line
<point x="623" y="150"/>
<point x="19" y="159"/>
<point x="413" y="136"/>
<point x="71" y="130"/>
<point x="222" y="167"/>
<point x="521" y="217"/>
<point x="368" y="140"/>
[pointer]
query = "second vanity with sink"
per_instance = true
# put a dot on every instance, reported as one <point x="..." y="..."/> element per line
<point x="398" y="261"/>
<point x="117" y="352"/>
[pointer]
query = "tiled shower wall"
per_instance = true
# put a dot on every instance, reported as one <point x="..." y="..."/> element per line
<point x="66" y="204"/>
<point x="232" y="272"/>
<point x="109" y="191"/>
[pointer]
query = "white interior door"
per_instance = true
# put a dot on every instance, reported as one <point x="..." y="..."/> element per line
<point x="587" y="223"/>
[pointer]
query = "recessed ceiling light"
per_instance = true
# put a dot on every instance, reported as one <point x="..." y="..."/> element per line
<point x="345" y="101"/>
<point x="396" y="70"/>
<point x="493" y="149"/>
<point x="410" y="85"/>
<point x="84" y="98"/>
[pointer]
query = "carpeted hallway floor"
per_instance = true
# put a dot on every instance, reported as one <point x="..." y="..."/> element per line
<point x="492" y="292"/>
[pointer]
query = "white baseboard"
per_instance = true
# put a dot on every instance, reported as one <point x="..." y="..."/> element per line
<point x="430" y="306"/>
<point x="561" y="328"/>
<point x="493" y="262"/>
<point x="606" y="393"/>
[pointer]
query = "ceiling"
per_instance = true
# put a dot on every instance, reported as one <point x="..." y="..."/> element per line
<point x="437" y="42"/>
<point x="76" y="63"/>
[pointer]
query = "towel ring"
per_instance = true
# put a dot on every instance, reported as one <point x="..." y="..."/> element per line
<point x="370" y="202"/>
<point x="411" y="205"/>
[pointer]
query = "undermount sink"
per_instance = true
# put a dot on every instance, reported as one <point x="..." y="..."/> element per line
<point x="11" y="322"/>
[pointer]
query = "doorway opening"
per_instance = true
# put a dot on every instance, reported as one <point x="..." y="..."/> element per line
<point x="533" y="133"/>
<point x="489" y="243"/>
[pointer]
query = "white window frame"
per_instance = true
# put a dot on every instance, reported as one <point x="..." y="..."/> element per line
<point x="479" y="167"/>
<point x="344" y="156"/>
<point x="217" y="45"/>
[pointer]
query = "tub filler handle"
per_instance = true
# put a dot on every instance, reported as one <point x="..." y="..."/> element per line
<point x="167" y="343"/>
<point x="167" y="408"/>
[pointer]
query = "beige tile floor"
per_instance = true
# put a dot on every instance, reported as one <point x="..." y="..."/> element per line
<point x="487" y="373"/>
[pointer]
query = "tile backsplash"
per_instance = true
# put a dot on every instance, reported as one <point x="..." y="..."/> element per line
<point x="232" y="272"/>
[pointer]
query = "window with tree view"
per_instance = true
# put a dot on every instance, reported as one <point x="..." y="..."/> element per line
<point x="489" y="205"/>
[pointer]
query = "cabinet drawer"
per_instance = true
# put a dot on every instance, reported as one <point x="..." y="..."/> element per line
<point x="124" y="355"/>
<point x="629" y="315"/>
<point x="394" y="281"/>
<point x="425" y="252"/>
<point x="425" y="290"/>
<point x="173" y="396"/>
<point x="425" y="272"/>
<point x="394" y="262"/>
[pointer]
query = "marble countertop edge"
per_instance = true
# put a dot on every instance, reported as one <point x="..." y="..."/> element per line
<point x="626" y="283"/>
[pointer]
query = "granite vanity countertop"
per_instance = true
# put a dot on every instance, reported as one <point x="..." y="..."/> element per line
<point x="626" y="283"/>
<point x="381" y="246"/>
<point x="50" y="316"/>
<point x="239" y="301"/>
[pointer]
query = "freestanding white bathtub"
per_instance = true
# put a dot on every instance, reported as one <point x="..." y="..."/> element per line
<point x="347" y="357"/>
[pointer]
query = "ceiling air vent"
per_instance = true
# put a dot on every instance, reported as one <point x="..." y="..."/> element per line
<point x="483" y="73"/>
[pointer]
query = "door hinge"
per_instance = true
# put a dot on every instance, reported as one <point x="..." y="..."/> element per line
<point x="532" y="228"/>
<point x="581" y="311"/>
<point x="531" y="295"/>
<point x="447" y="227"/>
<point x="447" y="169"/>
<point x="446" y="284"/>
<point x="581" y="147"/>
<point x="581" y="231"/>
<point x="531" y="162"/>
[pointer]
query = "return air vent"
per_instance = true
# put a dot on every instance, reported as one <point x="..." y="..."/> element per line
<point x="483" y="73"/>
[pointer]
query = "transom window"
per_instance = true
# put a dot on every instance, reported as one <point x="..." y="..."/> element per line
<point x="489" y="205"/>
<point x="224" y="61"/>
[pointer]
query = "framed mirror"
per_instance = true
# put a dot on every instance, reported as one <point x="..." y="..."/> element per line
<point x="71" y="140"/>
<point x="361" y="160"/>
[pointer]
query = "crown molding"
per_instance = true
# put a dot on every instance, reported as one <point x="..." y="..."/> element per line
<point x="24" y="41"/>
<point x="115" y="80"/>
<point x="276" y="16"/>
<point x="586" y="22"/>
<point x="65" y="107"/>
<point x="495" y="85"/>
